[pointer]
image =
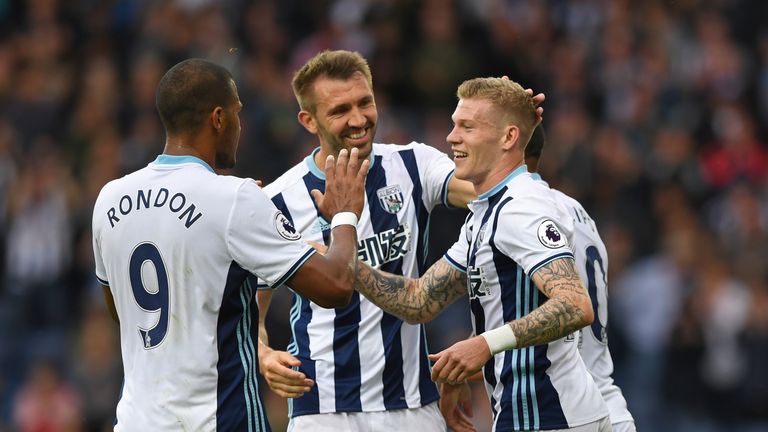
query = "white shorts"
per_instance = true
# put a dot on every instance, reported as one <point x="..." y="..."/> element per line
<point x="602" y="425"/>
<point x="424" y="419"/>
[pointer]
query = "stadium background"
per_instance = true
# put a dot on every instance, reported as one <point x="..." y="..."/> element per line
<point x="656" y="113"/>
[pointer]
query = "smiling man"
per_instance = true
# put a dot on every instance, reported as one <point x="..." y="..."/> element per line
<point x="513" y="257"/>
<point x="358" y="367"/>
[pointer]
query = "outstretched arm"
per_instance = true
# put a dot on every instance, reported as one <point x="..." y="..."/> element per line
<point x="412" y="300"/>
<point x="567" y="309"/>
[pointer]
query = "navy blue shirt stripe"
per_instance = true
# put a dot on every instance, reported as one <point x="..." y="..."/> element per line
<point x="422" y="214"/>
<point x="382" y="220"/>
<point x="233" y="408"/>
<point x="426" y="389"/>
<point x="310" y="402"/>
<point x="311" y="182"/>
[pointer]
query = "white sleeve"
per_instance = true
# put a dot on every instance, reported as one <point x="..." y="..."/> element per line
<point x="261" y="239"/>
<point x="435" y="170"/>
<point x="456" y="255"/>
<point x="533" y="232"/>
<point x="101" y="270"/>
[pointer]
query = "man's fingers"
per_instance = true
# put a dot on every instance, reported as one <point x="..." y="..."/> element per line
<point x="353" y="160"/>
<point x="319" y="247"/>
<point x="363" y="171"/>
<point x="438" y="366"/>
<point x="330" y="164"/>
<point x="317" y="196"/>
<point x="341" y="163"/>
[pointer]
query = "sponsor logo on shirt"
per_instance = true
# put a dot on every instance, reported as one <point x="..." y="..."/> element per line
<point x="476" y="283"/>
<point x="390" y="198"/>
<point x="385" y="246"/>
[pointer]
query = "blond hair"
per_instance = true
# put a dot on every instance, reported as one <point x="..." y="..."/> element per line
<point x="506" y="95"/>
<point x="340" y="65"/>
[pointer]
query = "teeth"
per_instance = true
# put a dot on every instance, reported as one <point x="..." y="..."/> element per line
<point x="357" y="135"/>
<point x="459" y="154"/>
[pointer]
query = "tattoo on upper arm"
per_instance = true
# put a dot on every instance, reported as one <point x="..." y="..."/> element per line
<point x="414" y="300"/>
<point x="561" y="314"/>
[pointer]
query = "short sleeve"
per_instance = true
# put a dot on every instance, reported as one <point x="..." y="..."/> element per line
<point x="533" y="231"/>
<point x="436" y="170"/>
<point x="262" y="240"/>
<point x="101" y="270"/>
<point x="457" y="254"/>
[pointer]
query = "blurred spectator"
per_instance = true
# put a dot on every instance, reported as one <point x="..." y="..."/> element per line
<point x="659" y="110"/>
<point x="46" y="403"/>
<point x="98" y="370"/>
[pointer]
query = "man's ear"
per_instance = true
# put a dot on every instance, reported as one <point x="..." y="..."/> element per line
<point x="308" y="121"/>
<point x="511" y="137"/>
<point x="217" y="118"/>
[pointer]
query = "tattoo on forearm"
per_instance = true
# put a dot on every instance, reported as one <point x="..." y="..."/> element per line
<point x="561" y="314"/>
<point x="411" y="299"/>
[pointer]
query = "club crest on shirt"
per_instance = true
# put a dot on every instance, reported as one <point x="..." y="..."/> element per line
<point x="390" y="198"/>
<point x="285" y="228"/>
<point x="480" y="235"/>
<point x="550" y="236"/>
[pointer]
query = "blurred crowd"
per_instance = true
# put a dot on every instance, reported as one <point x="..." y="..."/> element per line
<point x="657" y="121"/>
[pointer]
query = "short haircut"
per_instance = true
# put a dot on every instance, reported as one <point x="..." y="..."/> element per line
<point x="189" y="91"/>
<point x="508" y="96"/>
<point x="536" y="144"/>
<point x="338" y="65"/>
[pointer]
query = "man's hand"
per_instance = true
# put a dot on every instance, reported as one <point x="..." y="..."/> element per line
<point x="456" y="406"/>
<point x="344" y="185"/>
<point x="276" y="366"/>
<point x="538" y="99"/>
<point x="460" y="361"/>
<point x="319" y="247"/>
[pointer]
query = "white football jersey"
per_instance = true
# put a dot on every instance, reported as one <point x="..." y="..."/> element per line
<point x="361" y="358"/>
<point x="514" y="229"/>
<point x="175" y="242"/>
<point x="592" y="263"/>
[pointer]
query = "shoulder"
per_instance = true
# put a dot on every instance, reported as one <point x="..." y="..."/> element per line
<point x="528" y="195"/>
<point x="287" y="180"/>
<point x="567" y="200"/>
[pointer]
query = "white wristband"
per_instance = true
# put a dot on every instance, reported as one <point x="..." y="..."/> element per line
<point x="500" y="339"/>
<point x="344" y="218"/>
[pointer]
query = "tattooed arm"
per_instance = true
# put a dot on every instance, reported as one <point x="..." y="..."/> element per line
<point x="567" y="309"/>
<point x="412" y="300"/>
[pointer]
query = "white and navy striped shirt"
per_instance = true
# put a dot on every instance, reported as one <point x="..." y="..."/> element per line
<point x="361" y="358"/>
<point x="513" y="230"/>
<point x="175" y="242"/>
<point x="592" y="263"/>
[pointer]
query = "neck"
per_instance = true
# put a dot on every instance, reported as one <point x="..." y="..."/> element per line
<point x="320" y="157"/>
<point x="495" y="177"/>
<point x="179" y="146"/>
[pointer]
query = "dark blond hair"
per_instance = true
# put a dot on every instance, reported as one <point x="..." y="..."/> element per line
<point x="340" y="65"/>
<point x="506" y="95"/>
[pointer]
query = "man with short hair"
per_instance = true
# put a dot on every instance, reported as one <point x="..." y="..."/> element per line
<point x="592" y="263"/>
<point x="359" y="368"/>
<point x="512" y="256"/>
<point x="173" y="243"/>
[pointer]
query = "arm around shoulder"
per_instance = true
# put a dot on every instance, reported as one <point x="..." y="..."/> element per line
<point x="412" y="300"/>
